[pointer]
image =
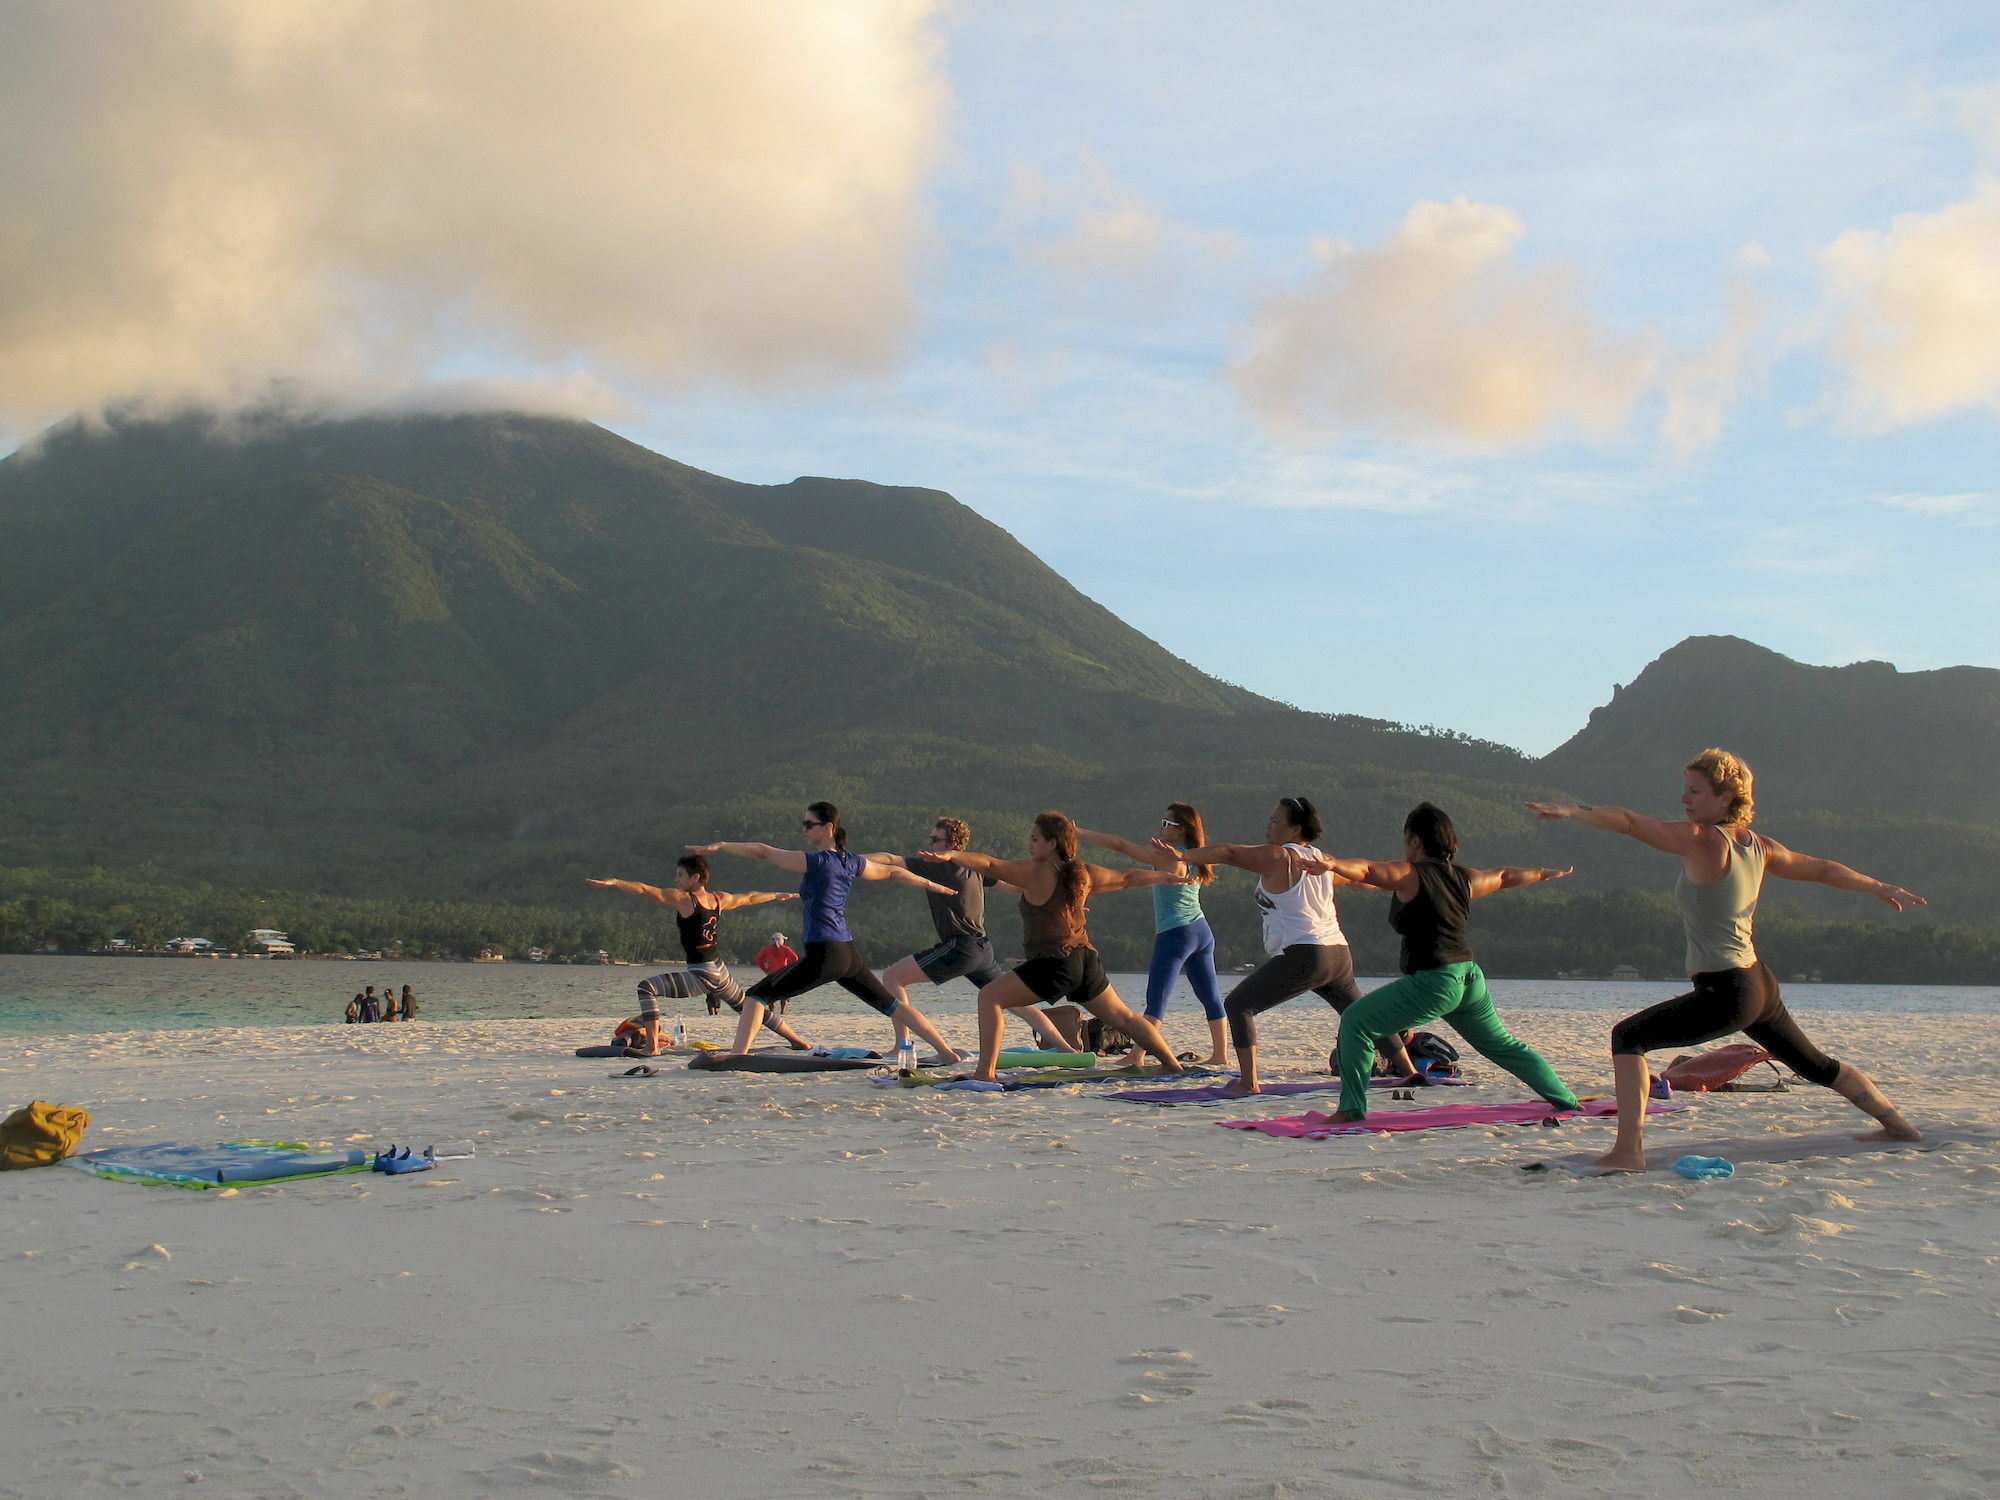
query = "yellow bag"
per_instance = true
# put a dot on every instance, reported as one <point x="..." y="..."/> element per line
<point x="40" y="1134"/>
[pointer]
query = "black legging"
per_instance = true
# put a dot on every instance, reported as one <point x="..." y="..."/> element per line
<point x="1725" y="1001"/>
<point x="1325" y="969"/>
<point x="826" y="963"/>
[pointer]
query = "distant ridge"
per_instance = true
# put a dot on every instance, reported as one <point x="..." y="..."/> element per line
<point x="1864" y="738"/>
<point x="482" y="656"/>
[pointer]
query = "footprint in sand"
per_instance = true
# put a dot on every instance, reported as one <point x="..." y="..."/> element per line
<point x="1170" y="1376"/>
<point x="1274" y="1412"/>
<point x="1269" y="1315"/>
<point x="1188" y="1302"/>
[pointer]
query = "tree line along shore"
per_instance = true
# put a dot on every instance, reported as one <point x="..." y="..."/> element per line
<point x="1587" y="934"/>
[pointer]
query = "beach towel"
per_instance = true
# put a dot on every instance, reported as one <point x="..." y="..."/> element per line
<point x="1220" y="1091"/>
<point x="1313" y="1126"/>
<point x="220" y="1165"/>
<point x="1758" y="1148"/>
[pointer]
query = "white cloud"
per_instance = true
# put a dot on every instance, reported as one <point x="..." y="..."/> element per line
<point x="1440" y="332"/>
<point x="1089" y="226"/>
<point x="204" y="195"/>
<point x="1980" y="508"/>
<point x="1916" y="312"/>
<point x="1700" y="387"/>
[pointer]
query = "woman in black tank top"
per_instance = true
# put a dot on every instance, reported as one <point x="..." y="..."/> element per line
<point x="1431" y="910"/>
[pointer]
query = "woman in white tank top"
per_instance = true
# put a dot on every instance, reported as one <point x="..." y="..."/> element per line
<point x="1301" y="932"/>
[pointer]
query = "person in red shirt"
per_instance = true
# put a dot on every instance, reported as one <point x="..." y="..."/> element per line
<point x="775" y="954"/>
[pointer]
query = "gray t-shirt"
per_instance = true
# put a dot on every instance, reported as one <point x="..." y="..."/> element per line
<point x="960" y="917"/>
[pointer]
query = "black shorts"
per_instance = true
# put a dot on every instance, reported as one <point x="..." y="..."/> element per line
<point x="961" y="958"/>
<point x="1078" y="975"/>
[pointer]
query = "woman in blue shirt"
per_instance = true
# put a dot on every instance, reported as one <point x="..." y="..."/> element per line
<point x="831" y="955"/>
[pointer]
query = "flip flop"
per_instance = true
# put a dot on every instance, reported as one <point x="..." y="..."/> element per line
<point x="644" y="1070"/>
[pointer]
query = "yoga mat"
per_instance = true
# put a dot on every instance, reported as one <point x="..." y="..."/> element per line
<point x="215" y="1166"/>
<point x="755" y="1062"/>
<point x="1758" y="1148"/>
<point x="1027" y="1059"/>
<point x="1313" y="1126"/>
<point x="1308" y="1086"/>
<point x="1061" y="1079"/>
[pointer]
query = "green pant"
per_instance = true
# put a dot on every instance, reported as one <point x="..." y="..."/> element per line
<point x="1455" y="994"/>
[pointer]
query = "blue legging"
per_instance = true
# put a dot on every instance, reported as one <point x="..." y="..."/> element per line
<point x="1189" y="948"/>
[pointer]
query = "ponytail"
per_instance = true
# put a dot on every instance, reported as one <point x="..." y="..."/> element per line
<point x="1431" y="826"/>
<point x="1071" y="880"/>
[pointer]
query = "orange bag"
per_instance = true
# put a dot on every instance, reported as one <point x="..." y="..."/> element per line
<point x="1706" y="1071"/>
<point x="40" y="1134"/>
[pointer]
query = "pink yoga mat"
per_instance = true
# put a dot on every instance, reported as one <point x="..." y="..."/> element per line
<point x="1314" y="1126"/>
<point x="1309" y="1086"/>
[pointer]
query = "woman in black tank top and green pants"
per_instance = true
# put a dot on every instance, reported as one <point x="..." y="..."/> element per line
<point x="1431" y="909"/>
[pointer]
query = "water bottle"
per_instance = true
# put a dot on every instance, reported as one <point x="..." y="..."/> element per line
<point x="906" y="1055"/>
<point x="680" y="1034"/>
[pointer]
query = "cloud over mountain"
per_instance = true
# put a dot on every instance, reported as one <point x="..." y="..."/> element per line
<point x="205" y="195"/>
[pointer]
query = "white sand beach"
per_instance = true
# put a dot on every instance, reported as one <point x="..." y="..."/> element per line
<point x="784" y="1286"/>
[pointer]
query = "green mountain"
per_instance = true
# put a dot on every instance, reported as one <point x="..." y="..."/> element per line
<point x="479" y="657"/>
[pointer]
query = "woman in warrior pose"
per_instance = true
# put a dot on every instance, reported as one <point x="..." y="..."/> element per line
<point x="1301" y="932"/>
<point x="1430" y="908"/>
<point x="832" y="956"/>
<point x="1723" y="865"/>
<point x="1060" y="964"/>
<point x="1182" y="940"/>
<point x="962" y="951"/>
<point x="695" y="909"/>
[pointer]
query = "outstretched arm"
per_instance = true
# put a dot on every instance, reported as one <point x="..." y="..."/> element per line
<point x="887" y="859"/>
<point x="1672" y="838"/>
<point x="650" y="892"/>
<point x="871" y="871"/>
<point x="1782" y="862"/>
<point x="1102" y="879"/>
<point x="1015" y="872"/>
<point x="1259" y="859"/>
<point x="785" y="859"/>
<point x="1486" y="882"/>
<point x="1153" y="852"/>
<point x="726" y="901"/>
<point x="1375" y="875"/>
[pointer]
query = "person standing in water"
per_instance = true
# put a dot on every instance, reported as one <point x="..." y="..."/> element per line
<point x="963" y="950"/>
<point x="1183" y="942"/>
<point x="1060" y="962"/>
<point x="696" y="911"/>
<point x="409" y="1012"/>
<point x="1301" y="932"/>
<point x="1430" y="908"/>
<point x="1723" y="865"/>
<point x="832" y="956"/>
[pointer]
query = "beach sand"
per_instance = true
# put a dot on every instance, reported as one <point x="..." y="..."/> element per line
<point x="782" y="1286"/>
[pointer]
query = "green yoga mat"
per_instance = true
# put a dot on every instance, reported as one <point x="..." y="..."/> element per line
<point x="1048" y="1059"/>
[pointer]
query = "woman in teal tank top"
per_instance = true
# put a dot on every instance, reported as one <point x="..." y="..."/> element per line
<point x="1723" y="865"/>
<point x="1183" y="943"/>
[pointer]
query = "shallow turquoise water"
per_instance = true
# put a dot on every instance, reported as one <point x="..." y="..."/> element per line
<point x="39" y="996"/>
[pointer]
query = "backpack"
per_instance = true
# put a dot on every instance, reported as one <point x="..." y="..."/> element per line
<point x="1706" y="1072"/>
<point x="40" y="1134"/>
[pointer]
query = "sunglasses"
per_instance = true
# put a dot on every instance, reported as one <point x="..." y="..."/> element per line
<point x="811" y="823"/>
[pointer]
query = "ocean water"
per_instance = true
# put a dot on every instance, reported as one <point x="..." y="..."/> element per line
<point x="60" y="995"/>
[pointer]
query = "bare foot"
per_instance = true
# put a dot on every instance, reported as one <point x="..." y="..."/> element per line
<point x="1213" y="1062"/>
<point x="1618" y="1161"/>
<point x="1240" y="1090"/>
<point x="1901" y="1131"/>
<point x="1345" y="1117"/>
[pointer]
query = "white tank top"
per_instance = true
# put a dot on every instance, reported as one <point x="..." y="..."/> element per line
<point x="1304" y="914"/>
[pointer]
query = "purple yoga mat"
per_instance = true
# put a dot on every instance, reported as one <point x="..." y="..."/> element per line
<point x="1308" y="1086"/>
<point x="1313" y="1126"/>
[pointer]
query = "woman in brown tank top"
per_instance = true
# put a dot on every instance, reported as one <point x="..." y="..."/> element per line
<point x="1060" y="964"/>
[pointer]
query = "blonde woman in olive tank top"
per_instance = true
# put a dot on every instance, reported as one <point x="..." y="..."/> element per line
<point x="1723" y="865"/>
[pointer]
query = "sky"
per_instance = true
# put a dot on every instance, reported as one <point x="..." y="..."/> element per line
<point x="1443" y="363"/>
